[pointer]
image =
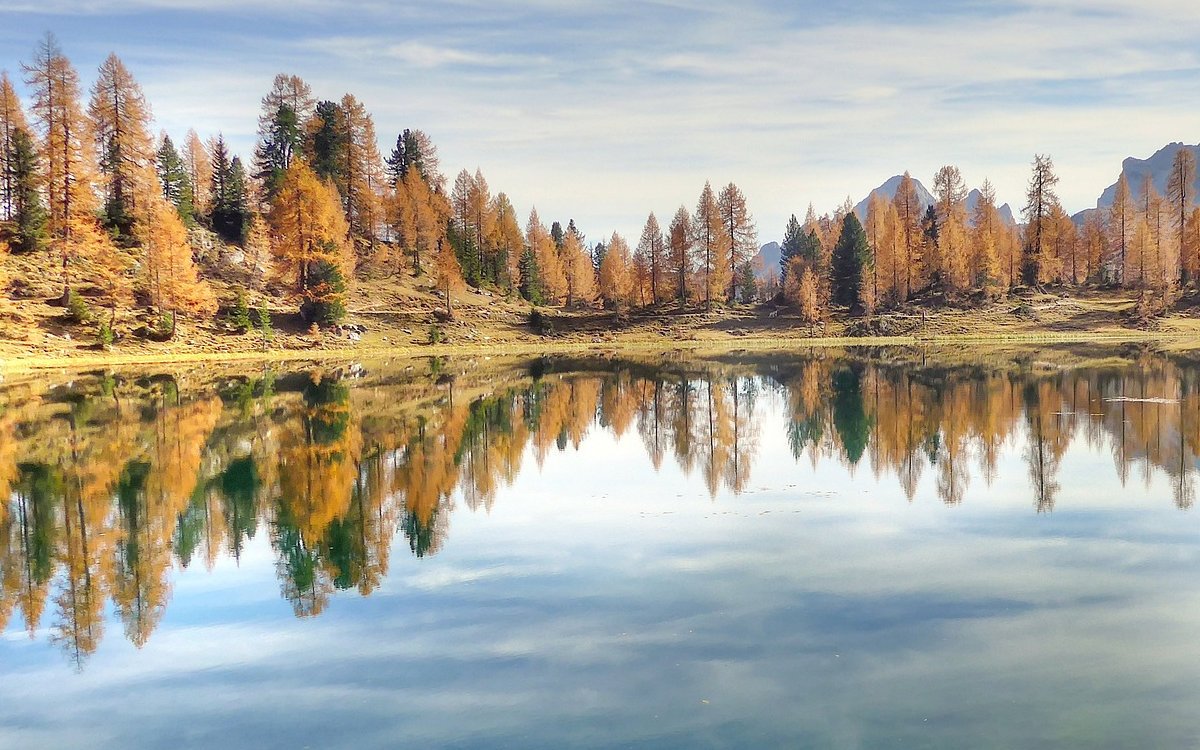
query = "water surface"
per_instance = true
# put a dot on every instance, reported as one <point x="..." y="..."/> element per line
<point x="801" y="551"/>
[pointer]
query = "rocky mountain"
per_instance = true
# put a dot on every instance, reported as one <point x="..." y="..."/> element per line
<point x="1005" y="211"/>
<point x="888" y="190"/>
<point x="1158" y="166"/>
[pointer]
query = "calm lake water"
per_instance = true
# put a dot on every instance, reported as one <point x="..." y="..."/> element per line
<point x="799" y="551"/>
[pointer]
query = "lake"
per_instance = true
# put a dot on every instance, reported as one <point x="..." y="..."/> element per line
<point x="864" y="550"/>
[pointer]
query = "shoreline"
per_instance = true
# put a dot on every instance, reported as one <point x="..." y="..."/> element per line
<point x="32" y="363"/>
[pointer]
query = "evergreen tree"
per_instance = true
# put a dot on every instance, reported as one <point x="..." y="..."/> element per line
<point x="285" y="112"/>
<point x="12" y="119"/>
<point x="274" y="150"/>
<point x="794" y="244"/>
<point x="413" y="150"/>
<point x="230" y="217"/>
<point x="851" y="255"/>
<point x="530" y="286"/>
<point x="328" y="142"/>
<point x="746" y="282"/>
<point x="30" y="231"/>
<point x="176" y="184"/>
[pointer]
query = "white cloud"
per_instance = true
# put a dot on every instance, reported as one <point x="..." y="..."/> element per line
<point x="605" y="112"/>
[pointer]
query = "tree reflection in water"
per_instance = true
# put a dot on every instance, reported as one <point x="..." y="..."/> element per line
<point x="112" y="481"/>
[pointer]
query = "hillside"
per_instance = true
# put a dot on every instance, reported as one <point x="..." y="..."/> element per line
<point x="403" y="315"/>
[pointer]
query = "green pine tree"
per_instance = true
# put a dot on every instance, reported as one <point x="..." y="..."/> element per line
<point x="851" y="255"/>
<point x="531" y="284"/>
<point x="284" y="135"/>
<point x="176" y="184"/>
<point x="29" y="232"/>
<point x="794" y="245"/>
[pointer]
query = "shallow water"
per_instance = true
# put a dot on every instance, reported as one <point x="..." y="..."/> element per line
<point x="769" y="552"/>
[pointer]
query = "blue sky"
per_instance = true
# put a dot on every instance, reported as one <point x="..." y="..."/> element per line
<point x="605" y="111"/>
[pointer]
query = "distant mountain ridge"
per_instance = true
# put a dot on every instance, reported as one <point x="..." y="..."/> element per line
<point x="925" y="198"/>
<point x="1158" y="166"/>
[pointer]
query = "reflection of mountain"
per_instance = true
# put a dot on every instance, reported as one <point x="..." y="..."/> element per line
<point x="111" y="483"/>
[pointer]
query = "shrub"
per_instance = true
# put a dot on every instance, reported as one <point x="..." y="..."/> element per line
<point x="77" y="309"/>
<point x="541" y="322"/>
<point x="166" y="325"/>
<point x="325" y="300"/>
<point x="239" y="317"/>
<point x="105" y="335"/>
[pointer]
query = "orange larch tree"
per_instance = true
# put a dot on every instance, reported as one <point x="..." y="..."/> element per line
<point x="741" y="236"/>
<point x="66" y="153"/>
<point x="616" y="282"/>
<point x="121" y="128"/>
<point x="171" y="278"/>
<point x="310" y="243"/>
<point x="711" y="246"/>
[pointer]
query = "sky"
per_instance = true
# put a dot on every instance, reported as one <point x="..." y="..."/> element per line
<point x="603" y="111"/>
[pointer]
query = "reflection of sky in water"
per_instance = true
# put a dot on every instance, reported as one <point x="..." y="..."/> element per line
<point x="601" y="604"/>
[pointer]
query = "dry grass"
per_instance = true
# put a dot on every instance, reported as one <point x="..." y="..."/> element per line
<point x="401" y="316"/>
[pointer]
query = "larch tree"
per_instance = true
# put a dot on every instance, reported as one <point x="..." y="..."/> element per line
<point x="104" y="264"/>
<point x="1063" y="239"/>
<point x="653" y="249"/>
<point x="881" y="237"/>
<point x="679" y="252"/>
<point x="409" y="213"/>
<point x="550" y="269"/>
<point x="950" y="262"/>
<point x="616" y="283"/>
<point x="1041" y="264"/>
<point x="908" y="211"/>
<point x="447" y="274"/>
<point x="171" y="278"/>
<point x="801" y="290"/>
<point x="1094" y="242"/>
<point x="984" y="240"/>
<point x="1181" y="196"/>
<point x="311" y="246"/>
<point x="639" y="275"/>
<point x="1121" y="221"/>
<point x="507" y="239"/>
<point x="363" y="177"/>
<point x="121" y="128"/>
<point x="581" y="275"/>
<point x="481" y="222"/>
<point x="711" y="246"/>
<point x="1154" y="216"/>
<point x="12" y="120"/>
<point x="741" y="235"/>
<point x="1191" y="237"/>
<point x="200" y="172"/>
<point x="66" y="155"/>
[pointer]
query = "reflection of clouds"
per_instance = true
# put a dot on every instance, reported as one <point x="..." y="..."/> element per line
<point x="598" y="593"/>
<point x="807" y="627"/>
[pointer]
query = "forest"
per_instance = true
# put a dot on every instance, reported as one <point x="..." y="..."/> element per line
<point x="110" y="482"/>
<point x="121" y="219"/>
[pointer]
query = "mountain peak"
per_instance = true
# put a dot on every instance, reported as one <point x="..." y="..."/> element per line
<point x="1157" y="166"/>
